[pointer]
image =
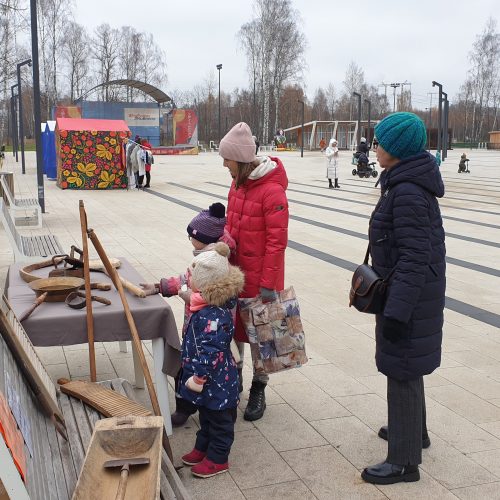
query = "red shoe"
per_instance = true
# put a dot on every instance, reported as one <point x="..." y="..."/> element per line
<point x="194" y="457"/>
<point x="207" y="468"/>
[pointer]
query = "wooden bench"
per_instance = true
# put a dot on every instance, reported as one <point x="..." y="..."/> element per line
<point x="28" y="248"/>
<point x="28" y="206"/>
<point x="54" y="464"/>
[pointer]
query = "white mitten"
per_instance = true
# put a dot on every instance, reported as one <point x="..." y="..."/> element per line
<point x="195" y="383"/>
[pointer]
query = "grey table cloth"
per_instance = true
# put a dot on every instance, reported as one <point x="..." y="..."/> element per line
<point x="56" y="324"/>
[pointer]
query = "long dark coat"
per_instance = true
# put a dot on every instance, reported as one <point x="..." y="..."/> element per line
<point x="406" y="234"/>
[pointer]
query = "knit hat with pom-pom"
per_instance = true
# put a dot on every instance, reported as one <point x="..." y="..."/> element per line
<point x="208" y="225"/>
<point x="210" y="267"/>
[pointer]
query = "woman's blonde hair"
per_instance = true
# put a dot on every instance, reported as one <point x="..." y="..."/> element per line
<point x="244" y="171"/>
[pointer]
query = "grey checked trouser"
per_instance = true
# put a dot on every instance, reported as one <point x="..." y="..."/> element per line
<point x="407" y="420"/>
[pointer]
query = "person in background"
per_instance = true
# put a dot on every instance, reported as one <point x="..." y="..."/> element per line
<point x="463" y="164"/>
<point x="132" y="164"/>
<point x="438" y="158"/>
<point x="407" y="246"/>
<point x="322" y="144"/>
<point x="363" y="147"/>
<point x="209" y="377"/>
<point x="375" y="144"/>
<point x="257" y="144"/>
<point x="257" y="219"/>
<point x="332" y="154"/>
<point x="149" y="156"/>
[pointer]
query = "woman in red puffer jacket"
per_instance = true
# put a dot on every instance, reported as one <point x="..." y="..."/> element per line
<point x="257" y="219"/>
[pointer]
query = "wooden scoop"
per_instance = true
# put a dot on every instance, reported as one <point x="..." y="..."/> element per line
<point x="124" y="464"/>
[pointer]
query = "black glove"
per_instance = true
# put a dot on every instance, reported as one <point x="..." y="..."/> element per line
<point x="394" y="330"/>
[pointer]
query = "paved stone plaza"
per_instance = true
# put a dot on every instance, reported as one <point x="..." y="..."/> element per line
<point x="320" y="426"/>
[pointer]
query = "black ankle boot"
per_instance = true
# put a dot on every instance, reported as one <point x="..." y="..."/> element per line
<point x="384" y="433"/>
<point x="256" y="402"/>
<point x="240" y="379"/>
<point x="386" y="473"/>
<point x="337" y="183"/>
<point x="330" y="185"/>
<point x="183" y="410"/>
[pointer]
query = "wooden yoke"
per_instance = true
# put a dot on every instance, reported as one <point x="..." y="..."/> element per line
<point x="88" y="299"/>
<point x="113" y="274"/>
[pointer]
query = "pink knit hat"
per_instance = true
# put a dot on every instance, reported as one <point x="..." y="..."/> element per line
<point x="238" y="144"/>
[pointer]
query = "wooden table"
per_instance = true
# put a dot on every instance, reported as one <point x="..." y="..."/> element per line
<point x="55" y="324"/>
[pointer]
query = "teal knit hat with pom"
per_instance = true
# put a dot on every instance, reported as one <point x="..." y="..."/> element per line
<point x="401" y="134"/>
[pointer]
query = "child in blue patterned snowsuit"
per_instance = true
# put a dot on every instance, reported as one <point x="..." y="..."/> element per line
<point x="209" y="377"/>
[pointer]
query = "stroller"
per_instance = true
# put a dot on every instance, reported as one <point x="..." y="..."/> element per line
<point x="463" y="166"/>
<point x="363" y="168"/>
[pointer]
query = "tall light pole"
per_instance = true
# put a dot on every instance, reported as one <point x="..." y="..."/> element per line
<point x="367" y="101"/>
<point x="394" y="86"/>
<point x="440" y="115"/>
<point x="13" y="96"/>
<point x="358" y="133"/>
<point x="21" y="125"/>
<point x="36" y="105"/>
<point x="219" y="67"/>
<point x="446" y="137"/>
<point x="302" y="131"/>
<point x="429" y="130"/>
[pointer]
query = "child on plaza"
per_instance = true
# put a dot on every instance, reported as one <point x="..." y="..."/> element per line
<point x="463" y="164"/>
<point x="204" y="231"/>
<point x="209" y="377"/>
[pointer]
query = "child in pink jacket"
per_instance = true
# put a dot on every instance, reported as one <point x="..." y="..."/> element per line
<point x="204" y="231"/>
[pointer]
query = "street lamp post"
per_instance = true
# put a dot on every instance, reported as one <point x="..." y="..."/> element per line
<point x="440" y="115"/>
<point x="302" y="131"/>
<point x="368" y="133"/>
<point x="358" y="132"/>
<point x="13" y="96"/>
<point x="21" y="126"/>
<point x="429" y="129"/>
<point x="445" y="127"/>
<point x="36" y="104"/>
<point x="219" y="67"/>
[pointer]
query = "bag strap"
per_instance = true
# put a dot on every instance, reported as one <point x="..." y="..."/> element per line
<point x="367" y="254"/>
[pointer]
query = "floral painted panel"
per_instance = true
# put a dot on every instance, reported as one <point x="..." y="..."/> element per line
<point x="90" y="159"/>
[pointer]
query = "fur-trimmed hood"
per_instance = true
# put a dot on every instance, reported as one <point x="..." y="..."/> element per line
<point x="222" y="291"/>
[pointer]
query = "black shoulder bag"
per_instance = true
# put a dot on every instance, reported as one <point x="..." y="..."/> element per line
<point x="368" y="289"/>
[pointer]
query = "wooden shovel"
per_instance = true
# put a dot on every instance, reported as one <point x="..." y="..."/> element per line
<point x="88" y="299"/>
<point x="113" y="274"/>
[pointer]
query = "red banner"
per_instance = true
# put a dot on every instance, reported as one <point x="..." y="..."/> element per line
<point x="68" y="112"/>
<point x="185" y="124"/>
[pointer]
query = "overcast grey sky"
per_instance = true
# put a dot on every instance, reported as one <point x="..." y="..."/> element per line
<point x="393" y="41"/>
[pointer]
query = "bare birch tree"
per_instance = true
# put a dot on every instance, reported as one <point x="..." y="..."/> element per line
<point x="75" y="50"/>
<point x="105" y="50"/>
<point x="479" y="94"/>
<point x="53" y="17"/>
<point x="275" y="54"/>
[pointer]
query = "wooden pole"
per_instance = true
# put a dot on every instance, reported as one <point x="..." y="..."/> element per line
<point x="113" y="274"/>
<point x="88" y="299"/>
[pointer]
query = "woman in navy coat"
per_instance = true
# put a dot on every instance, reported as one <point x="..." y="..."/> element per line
<point x="407" y="245"/>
